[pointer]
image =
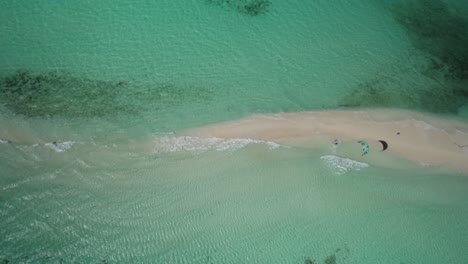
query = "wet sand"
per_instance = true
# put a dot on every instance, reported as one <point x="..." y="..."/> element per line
<point x="422" y="139"/>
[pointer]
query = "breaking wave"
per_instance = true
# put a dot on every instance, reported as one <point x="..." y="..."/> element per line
<point x="172" y="144"/>
<point x="60" y="146"/>
<point x="342" y="165"/>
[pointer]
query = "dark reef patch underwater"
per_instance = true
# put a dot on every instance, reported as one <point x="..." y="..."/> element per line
<point x="55" y="93"/>
<point x="63" y="94"/>
<point x="440" y="34"/>
<point x="332" y="258"/>
<point x="248" y="7"/>
<point x="439" y="31"/>
<point x="389" y="91"/>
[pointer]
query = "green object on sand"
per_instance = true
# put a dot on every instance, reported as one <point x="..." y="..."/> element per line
<point x="365" y="147"/>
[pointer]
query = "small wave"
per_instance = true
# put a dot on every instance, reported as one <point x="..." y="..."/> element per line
<point x="197" y="144"/>
<point x="342" y="165"/>
<point x="60" y="146"/>
<point x="3" y="141"/>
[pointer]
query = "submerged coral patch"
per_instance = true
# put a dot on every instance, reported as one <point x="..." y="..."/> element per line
<point x="248" y="7"/>
<point x="63" y="94"/>
<point x="55" y="93"/>
<point x="439" y="34"/>
<point x="369" y="93"/>
<point x="332" y="258"/>
<point x="383" y="91"/>
<point x="439" y="31"/>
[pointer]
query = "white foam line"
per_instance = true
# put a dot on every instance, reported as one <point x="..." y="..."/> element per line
<point x="60" y="146"/>
<point x="342" y="165"/>
<point x="199" y="144"/>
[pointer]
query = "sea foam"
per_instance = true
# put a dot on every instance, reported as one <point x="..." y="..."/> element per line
<point x="341" y="165"/>
<point x="60" y="146"/>
<point x="170" y="144"/>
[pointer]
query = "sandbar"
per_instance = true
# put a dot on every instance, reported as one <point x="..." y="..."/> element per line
<point x="423" y="139"/>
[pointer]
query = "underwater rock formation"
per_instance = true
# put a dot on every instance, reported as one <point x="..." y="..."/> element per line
<point x="249" y="7"/>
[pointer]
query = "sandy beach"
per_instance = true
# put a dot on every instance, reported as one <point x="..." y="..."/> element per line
<point x="412" y="137"/>
<point x="422" y="139"/>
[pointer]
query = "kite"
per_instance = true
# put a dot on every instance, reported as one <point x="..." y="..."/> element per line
<point x="384" y="144"/>
<point x="365" y="147"/>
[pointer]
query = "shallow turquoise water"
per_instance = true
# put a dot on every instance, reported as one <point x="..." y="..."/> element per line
<point x="106" y="74"/>
<point x="256" y="205"/>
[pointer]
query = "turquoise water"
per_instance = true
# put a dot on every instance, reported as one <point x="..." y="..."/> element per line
<point x="101" y="76"/>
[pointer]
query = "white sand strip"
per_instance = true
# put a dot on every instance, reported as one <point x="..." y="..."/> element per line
<point x="424" y="139"/>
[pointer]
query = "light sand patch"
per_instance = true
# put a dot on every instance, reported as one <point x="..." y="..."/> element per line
<point x="421" y="138"/>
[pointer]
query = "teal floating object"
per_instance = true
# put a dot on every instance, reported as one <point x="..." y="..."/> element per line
<point x="364" y="146"/>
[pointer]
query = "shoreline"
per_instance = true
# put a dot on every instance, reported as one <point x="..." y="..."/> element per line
<point x="413" y="136"/>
